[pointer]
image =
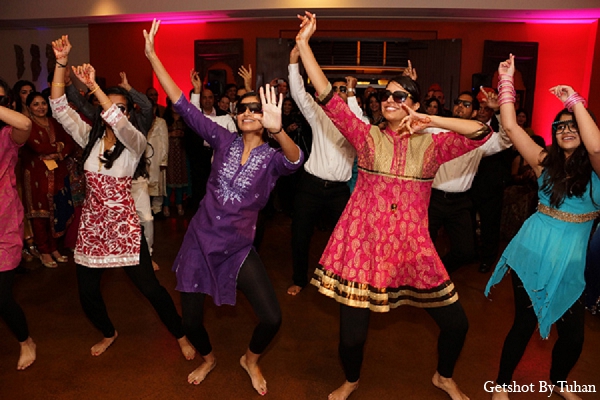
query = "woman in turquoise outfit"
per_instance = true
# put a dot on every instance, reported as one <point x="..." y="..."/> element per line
<point x="547" y="256"/>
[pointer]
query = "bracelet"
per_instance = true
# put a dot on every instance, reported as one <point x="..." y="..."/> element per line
<point x="350" y="89"/>
<point x="58" y="84"/>
<point x="574" y="99"/>
<point x="92" y="92"/>
<point x="104" y="102"/>
<point x="275" y="133"/>
<point x="61" y="65"/>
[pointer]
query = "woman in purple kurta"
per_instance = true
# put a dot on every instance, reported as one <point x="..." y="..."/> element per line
<point x="14" y="131"/>
<point x="216" y="256"/>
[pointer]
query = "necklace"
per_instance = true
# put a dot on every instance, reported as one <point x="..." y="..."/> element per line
<point x="37" y="121"/>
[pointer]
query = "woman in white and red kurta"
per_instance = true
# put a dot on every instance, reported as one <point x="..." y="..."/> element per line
<point x="109" y="234"/>
<point x="380" y="254"/>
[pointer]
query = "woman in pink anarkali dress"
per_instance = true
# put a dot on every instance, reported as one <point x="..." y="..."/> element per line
<point x="380" y="255"/>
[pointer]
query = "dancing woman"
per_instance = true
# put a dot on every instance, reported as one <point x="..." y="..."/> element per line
<point x="547" y="256"/>
<point x="216" y="256"/>
<point x="14" y="131"/>
<point x="109" y="234"/>
<point x="380" y="255"/>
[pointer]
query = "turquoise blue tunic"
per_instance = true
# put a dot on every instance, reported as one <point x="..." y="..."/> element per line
<point x="548" y="255"/>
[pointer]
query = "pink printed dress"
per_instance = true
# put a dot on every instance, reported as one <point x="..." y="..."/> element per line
<point x="380" y="254"/>
<point x="11" y="209"/>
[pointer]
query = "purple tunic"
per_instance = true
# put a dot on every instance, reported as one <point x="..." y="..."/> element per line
<point x="221" y="233"/>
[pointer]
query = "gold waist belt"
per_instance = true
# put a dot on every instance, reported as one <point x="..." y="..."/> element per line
<point x="567" y="216"/>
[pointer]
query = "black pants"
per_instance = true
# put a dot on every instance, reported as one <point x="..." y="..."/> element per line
<point x="10" y="311"/>
<point x="489" y="207"/>
<point x="354" y="324"/>
<point x="567" y="348"/>
<point x="314" y="196"/>
<point x="144" y="278"/>
<point x="254" y="283"/>
<point x="453" y="212"/>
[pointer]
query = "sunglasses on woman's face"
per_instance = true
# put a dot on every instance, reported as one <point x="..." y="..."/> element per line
<point x="254" y="108"/>
<point x="398" y="96"/>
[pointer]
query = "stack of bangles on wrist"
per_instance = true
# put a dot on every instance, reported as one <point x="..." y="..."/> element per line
<point x="506" y="90"/>
<point x="574" y="99"/>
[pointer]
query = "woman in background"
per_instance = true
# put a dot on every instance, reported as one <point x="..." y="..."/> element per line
<point x="46" y="189"/>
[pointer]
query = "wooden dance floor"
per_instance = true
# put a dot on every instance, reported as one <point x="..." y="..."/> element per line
<point x="302" y="363"/>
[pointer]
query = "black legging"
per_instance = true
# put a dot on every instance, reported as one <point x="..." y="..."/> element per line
<point x="354" y="324"/>
<point x="567" y="348"/>
<point x="254" y="283"/>
<point x="144" y="278"/>
<point x="10" y="311"/>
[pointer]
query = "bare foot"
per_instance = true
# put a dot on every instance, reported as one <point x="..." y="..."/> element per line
<point x="104" y="344"/>
<point x="186" y="348"/>
<point x="344" y="391"/>
<point x="27" y="356"/>
<point x="294" y="290"/>
<point x="565" y="393"/>
<point x="199" y="374"/>
<point x="258" y="381"/>
<point x="155" y="266"/>
<point x="449" y="386"/>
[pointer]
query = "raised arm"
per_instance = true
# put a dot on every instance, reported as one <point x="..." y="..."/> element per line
<point x="271" y="121"/>
<point x="308" y="26"/>
<point x="246" y="75"/>
<point x="529" y="150"/>
<point x="172" y="90"/>
<point x="588" y="129"/>
<point x="20" y="123"/>
<point x="146" y="114"/>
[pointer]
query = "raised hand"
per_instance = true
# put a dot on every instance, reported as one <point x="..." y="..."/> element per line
<point x="410" y="71"/>
<point x="246" y="75"/>
<point x="86" y="74"/>
<point x="271" y="107"/>
<point x="351" y="82"/>
<point x="124" y="83"/>
<point x="308" y="26"/>
<point x="562" y="92"/>
<point x="507" y="67"/>
<point x="491" y="99"/>
<point x="414" y="121"/>
<point x="61" y="47"/>
<point x="149" y="37"/>
<point x="195" y="79"/>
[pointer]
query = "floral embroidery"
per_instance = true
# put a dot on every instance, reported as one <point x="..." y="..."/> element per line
<point x="235" y="179"/>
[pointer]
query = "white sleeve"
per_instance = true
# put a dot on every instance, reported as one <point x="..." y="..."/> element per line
<point x="70" y="120"/>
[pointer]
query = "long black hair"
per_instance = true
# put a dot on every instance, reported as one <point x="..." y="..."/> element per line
<point x="17" y="93"/>
<point x="97" y="132"/>
<point x="566" y="177"/>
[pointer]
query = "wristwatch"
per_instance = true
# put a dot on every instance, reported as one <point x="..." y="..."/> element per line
<point x="350" y="89"/>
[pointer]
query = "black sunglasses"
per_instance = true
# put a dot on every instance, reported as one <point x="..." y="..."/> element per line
<point x="398" y="96"/>
<point x="4" y="101"/>
<point x="465" y="103"/>
<point x="341" y="89"/>
<point x="122" y="108"/>
<point x="254" y="108"/>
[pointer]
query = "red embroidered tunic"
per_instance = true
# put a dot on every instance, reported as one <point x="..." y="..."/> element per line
<point x="109" y="232"/>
